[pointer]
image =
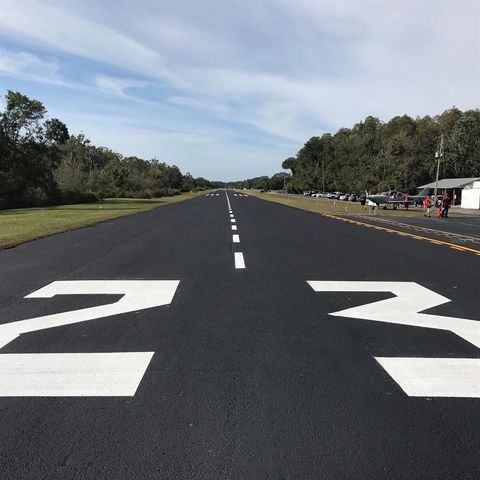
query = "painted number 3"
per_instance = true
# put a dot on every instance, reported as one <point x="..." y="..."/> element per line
<point x="418" y="377"/>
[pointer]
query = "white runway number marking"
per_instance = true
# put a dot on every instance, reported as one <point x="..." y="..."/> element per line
<point x="77" y="371"/>
<point x="72" y="374"/>
<point x="443" y="377"/>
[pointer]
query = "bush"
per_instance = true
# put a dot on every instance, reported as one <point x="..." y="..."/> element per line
<point x="163" y="192"/>
<point x="70" y="197"/>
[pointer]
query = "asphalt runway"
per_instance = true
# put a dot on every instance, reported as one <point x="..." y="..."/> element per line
<point x="189" y="342"/>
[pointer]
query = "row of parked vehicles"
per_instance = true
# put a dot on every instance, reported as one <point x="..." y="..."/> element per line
<point x="347" y="197"/>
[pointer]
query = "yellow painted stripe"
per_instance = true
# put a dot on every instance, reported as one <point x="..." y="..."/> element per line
<point x="433" y="230"/>
<point x="406" y="234"/>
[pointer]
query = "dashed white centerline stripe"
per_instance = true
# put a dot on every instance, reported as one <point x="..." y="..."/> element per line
<point x="238" y="256"/>
<point x="239" y="260"/>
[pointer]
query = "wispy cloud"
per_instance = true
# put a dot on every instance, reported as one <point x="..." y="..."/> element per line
<point x="26" y="65"/>
<point x="116" y="86"/>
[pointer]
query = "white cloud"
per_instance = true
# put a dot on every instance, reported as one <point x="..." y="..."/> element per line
<point x="116" y="86"/>
<point x="57" y="28"/>
<point x="26" y="65"/>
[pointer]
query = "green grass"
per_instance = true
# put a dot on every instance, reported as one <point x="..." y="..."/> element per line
<point x="329" y="207"/>
<point x="25" y="224"/>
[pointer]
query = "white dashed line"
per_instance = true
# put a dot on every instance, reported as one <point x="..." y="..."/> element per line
<point x="239" y="260"/>
<point x="238" y="256"/>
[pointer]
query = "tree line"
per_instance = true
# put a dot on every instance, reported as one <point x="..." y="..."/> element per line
<point x="278" y="181"/>
<point x="41" y="163"/>
<point x="377" y="156"/>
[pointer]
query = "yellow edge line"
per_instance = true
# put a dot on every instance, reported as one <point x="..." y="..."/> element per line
<point x="400" y="224"/>
<point x="406" y="234"/>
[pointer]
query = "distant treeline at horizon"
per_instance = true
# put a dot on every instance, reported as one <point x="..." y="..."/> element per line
<point x="377" y="156"/>
<point x="42" y="164"/>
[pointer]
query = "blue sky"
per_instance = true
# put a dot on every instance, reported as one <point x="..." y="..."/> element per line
<point x="227" y="89"/>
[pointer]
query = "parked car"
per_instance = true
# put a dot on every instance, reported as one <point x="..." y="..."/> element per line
<point x="344" y="196"/>
<point x="352" y="198"/>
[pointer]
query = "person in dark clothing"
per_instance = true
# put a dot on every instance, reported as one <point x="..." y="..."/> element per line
<point x="446" y="201"/>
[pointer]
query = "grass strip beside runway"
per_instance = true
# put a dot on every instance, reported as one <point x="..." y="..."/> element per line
<point x="24" y="224"/>
<point x="331" y="207"/>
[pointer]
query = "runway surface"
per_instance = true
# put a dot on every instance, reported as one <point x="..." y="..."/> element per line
<point x="232" y="338"/>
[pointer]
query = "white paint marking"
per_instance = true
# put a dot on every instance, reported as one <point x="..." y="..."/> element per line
<point x="428" y="377"/>
<point x="234" y="227"/>
<point x="234" y="194"/>
<point x="236" y="238"/>
<point x="435" y="377"/>
<point x="403" y="309"/>
<point x="72" y="374"/>
<point x="231" y="215"/>
<point x="217" y="194"/>
<point x="137" y="295"/>
<point x="232" y="220"/>
<point x="239" y="260"/>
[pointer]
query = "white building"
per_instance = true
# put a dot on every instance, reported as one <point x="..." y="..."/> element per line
<point x="471" y="196"/>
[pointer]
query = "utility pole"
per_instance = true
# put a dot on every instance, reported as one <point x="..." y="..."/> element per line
<point x="439" y="156"/>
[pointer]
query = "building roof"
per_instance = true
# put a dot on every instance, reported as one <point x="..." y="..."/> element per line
<point x="451" y="183"/>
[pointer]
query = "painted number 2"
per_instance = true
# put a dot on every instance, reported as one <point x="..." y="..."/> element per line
<point x="81" y="374"/>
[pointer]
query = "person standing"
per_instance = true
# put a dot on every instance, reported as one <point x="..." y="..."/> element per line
<point x="446" y="201"/>
<point x="427" y="203"/>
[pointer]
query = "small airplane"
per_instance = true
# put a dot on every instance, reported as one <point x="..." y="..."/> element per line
<point x="396" y="198"/>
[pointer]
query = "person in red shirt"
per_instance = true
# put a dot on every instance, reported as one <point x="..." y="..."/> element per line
<point x="427" y="203"/>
